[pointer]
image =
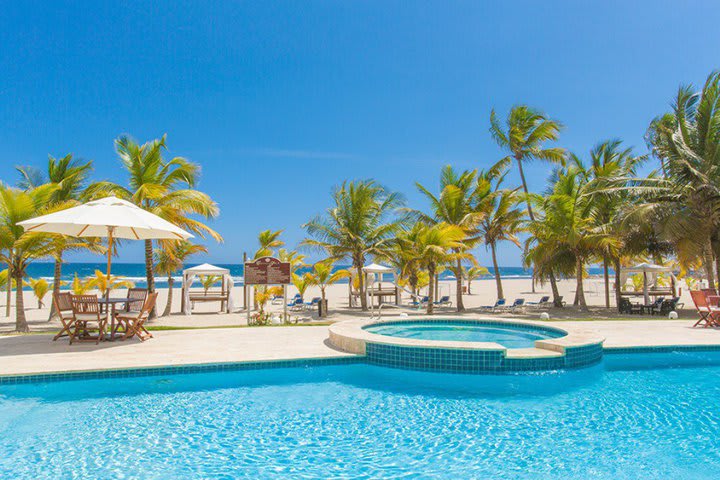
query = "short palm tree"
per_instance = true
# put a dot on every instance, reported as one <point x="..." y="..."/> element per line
<point x="207" y="281"/>
<point x="163" y="187"/>
<point x="454" y="206"/>
<point x="40" y="288"/>
<point x="360" y="223"/>
<point x="70" y="177"/>
<point x="79" y="286"/>
<point x="302" y="282"/>
<point x="103" y="283"/>
<point x="19" y="248"/>
<point x="323" y="275"/>
<point x="523" y="136"/>
<point x="472" y="273"/>
<point x="439" y="244"/>
<point x="170" y="259"/>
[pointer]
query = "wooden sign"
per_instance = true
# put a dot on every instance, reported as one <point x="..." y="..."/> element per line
<point x="267" y="271"/>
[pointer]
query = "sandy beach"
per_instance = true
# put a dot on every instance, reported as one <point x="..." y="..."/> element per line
<point x="483" y="292"/>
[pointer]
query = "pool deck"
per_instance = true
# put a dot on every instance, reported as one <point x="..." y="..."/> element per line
<point x="35" y="354"/>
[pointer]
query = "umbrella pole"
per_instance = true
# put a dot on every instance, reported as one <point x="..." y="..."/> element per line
<point x="109" y="259"/>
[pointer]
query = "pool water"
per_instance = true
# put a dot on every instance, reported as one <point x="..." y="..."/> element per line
<point x="360" y="421"/>
<point x="508" y="336"/>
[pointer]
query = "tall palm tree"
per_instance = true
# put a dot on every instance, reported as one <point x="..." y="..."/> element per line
<point x="524" y="136"/>
<point x="439" y="244"/>
<point x="612" y="166"/>
<point x="360" y="223"/>
<point x="19" y="248"/>
<point x="502" y="224"/>
<point x="454" y="206"/>
<point x="687" y="142"/>
<point x="171" y="258"/>
<point x="70" y="177"/>
<point x="163" y="187"/>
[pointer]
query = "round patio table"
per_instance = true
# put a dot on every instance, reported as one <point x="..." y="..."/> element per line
<point x="111" y="303"/>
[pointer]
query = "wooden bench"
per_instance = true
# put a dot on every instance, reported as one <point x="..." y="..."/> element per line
<point x="210" y="296"/>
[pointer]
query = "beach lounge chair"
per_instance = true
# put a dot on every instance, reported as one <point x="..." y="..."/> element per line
<point x="297" y="304"/>
<point x="654" y="307"/>
<point x="544" y="302"/>
<point x="518" y="304"/>
<point x="276" y="300"/>
<point x="294" y="300"/>
<point x="313" y="303"/>
<point x="86" y="317"/>
<point x="133" y="323"/>
<point x="670" y="305"/>
<point x="709" y="316"/>
<point x="499" y="304"/>
<point x="423" y="301"/>
<point x="444" y="301"/>
<point x="64" y="311"/>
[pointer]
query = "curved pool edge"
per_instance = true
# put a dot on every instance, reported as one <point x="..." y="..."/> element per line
<point x="575" y="349"/>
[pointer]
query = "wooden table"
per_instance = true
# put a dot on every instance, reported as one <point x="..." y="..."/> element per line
<point x="111" y="302"/>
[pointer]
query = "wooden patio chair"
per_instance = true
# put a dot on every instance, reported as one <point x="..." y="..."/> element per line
<point x="86" y="312"/>
<point x="138" y="294"/>
<point x="709" y="316"/>
<point x="133" y="323"/>
<point x="64" y="310"/>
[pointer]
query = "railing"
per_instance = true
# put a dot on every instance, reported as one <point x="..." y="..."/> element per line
<point x="417" y="298"/>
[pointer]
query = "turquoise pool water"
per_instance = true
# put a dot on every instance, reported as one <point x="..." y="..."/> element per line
<point x="358" y="421"/>
<point x="508" y="336"/>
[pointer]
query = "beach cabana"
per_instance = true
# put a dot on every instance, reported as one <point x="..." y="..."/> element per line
<point x="374" y="274"/>
<point x="189" y="298"/>
<point x="650" y="272"/>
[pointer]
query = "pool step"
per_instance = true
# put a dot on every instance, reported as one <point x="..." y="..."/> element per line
<point x="531" y="353"/>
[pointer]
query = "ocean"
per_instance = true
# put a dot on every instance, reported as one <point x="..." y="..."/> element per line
<point x="136" y="272"/>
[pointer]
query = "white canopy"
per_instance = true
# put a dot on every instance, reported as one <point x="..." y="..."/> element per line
<point x="96" y="218"/>
<point x="647" y="268"/>
<point x="206" y="269"/>
<point x="375" y="268"/>
<point x="189" y="276"/>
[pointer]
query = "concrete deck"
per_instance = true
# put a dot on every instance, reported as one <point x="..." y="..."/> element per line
<point x="28" y="354"/>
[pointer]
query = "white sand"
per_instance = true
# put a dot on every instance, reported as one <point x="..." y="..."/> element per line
<point x="483" y="293"/>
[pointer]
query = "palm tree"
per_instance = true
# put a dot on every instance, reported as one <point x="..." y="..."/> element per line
<point x="322" y="275"/>
<point x="503" y="223"/>
<point x="207" y="281"/>
<point x="103" y="282"/>
<point x="612" y="166"/>
<point x="169" y="259"/>
<point x="163" y="187"/>
<point x="359" y="224"/>
<point x="439" y="244"/>
<point x="454" y="206"/>
<point x="568" y="222"/>
<point x="687" y="197"/>
<point x="81" y="287"/>
<point x="269" y="241"/>
<point x="40" y="288"/>
<point x="302" y="282"/>
<point x="19" y="248"/>
<point x="70" y="177"/>
<point x="524" y="136"/>
<point x="472" y="273"/>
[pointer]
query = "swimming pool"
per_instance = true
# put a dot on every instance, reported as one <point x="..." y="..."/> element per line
<point x="508" y="335"/>
<point x="362" y="421"/>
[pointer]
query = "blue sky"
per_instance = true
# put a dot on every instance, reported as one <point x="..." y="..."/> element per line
<point x="279" y="101"/>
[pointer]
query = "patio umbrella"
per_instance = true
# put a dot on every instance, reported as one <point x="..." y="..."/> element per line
<point x="108" y="217"/>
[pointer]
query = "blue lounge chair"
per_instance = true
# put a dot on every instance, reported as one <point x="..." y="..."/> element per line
<point x="313" y="303"/>
<point x="499" y="304"/>
<point x="444" y="301"/>
<point x="423" y="301"/>
<point x="544" y="302"/>
<point x="518" y="304"/>
<point x="296" y="303"/>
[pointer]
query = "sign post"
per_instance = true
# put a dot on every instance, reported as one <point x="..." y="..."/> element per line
<point x="267" y="271"/>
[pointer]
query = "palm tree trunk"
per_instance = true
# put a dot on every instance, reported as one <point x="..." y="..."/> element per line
<point x="21" y="324"/>
<point x="580" y="292"/>
<point x="498" y="280"/>
<point x="168" y="305"/>
<point x="149" y="272"/>
<point x="458" y="286"/>
<point x="57" y="275"/>
<point x="606" y="277"/>
<point x="708" y="264"/>
<point x="617" y="283"/>
<point x="557" y="300"/>
<point x="361" y="286"/>
<point x="9" y="286"/>
<point x="431" y="289"/>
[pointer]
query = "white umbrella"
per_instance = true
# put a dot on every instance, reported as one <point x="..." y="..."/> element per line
<point x="108" y="217"/>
